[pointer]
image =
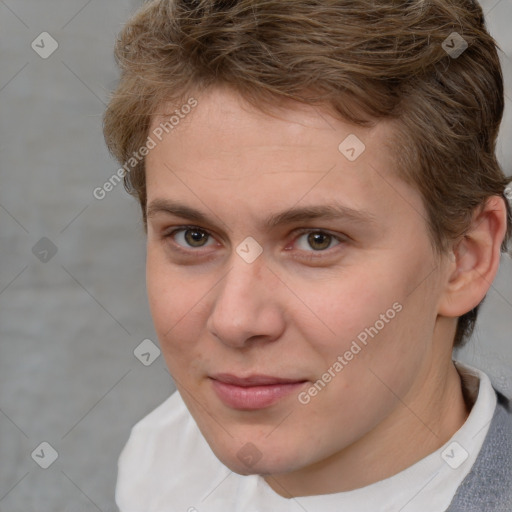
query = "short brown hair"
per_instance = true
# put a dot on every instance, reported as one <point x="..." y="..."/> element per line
<point x="366" y="60"/>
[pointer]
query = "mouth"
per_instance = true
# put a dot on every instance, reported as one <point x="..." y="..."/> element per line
<point x="253" y="392"/>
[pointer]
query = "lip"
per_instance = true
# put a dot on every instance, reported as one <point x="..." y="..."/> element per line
<point x="253" y="380"/>
<point x="252" y="392"/>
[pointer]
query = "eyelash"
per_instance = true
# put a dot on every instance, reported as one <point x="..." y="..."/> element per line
<point x="310" y="254"/>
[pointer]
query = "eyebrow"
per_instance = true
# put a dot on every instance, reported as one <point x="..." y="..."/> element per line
<point x="293" y="215"/>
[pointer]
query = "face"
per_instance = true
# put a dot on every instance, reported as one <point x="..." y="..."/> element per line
<point x="290" y="278"/>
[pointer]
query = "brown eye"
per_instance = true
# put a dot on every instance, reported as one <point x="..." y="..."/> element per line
<point x="190" y="237"/>
<point x="196" y="237"/>
<point x="319" y="240"/>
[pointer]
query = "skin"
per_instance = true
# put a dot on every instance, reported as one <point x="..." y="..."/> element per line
<point x="299" y="305"/>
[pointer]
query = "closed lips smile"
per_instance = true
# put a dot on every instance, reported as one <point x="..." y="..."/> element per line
<point x="253" y="392"/>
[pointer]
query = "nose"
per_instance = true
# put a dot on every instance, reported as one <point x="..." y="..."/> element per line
<point x="246" y="306"/>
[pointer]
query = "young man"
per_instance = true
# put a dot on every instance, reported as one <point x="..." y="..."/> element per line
<point x="324" y="213"/>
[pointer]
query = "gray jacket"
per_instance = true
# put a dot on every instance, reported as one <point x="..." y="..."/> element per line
<point x="488" y="486"/>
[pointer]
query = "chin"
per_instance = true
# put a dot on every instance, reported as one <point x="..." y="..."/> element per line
<point x="257" y="458"/>
<point x="259" y="468"/>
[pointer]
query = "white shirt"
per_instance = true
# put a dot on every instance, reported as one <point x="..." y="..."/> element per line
<point x="167" y="466"/>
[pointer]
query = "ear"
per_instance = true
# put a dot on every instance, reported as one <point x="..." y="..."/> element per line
<point x="475" y="259"/>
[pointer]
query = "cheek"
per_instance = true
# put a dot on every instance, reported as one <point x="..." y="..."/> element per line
<point x="347" y="307"/>
<point x="160" y="296"/>
<point x="178" y="323"/>
<point x="174" y="302"/>
<point x="370" y="318"/>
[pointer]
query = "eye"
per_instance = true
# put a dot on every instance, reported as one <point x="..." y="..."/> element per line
<point x="189" y="236"/>
<point x="317" y="240"/>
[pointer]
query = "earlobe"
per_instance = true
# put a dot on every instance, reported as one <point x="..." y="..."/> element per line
<point x="475" y="259"/>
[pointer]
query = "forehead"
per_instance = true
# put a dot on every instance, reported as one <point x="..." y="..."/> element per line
<point x="299" y="153"/>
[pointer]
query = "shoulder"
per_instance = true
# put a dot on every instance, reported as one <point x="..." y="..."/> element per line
<point x="152" y="438"/>
<point x="169" y="412"/>
<point x="488" y="486"/>
<point x="164" y="449"/>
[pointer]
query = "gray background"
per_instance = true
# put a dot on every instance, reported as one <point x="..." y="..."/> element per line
<point x="69" y="326"/>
